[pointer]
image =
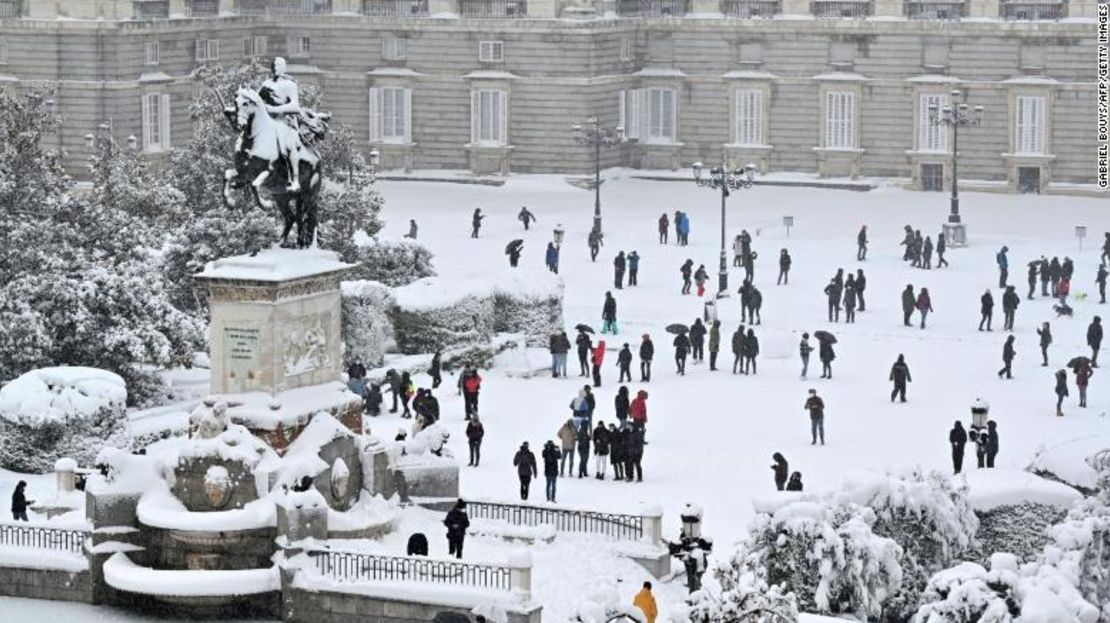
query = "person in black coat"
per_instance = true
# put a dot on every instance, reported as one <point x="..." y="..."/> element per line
<point x="620" y="405"/>
<point x="584" y="345"/>
<point x="1100" y="280"/>
<point x="474" y="434"/>
<point x="795" y="483"/>
<point x="784" y="267"/>
<point x="525" y="462"/>
<point x="372" y="400"/>
<point x="418" y="545"/>
<point x="986" y="309"/>
<point x="634" y="453"/>
<point x="992" y="442"/>
<point x="751" y="350"/>
<point x="942" y="246"/>
<point x="681" y="349"/>
<point x="850" y="299"/>
<point x="582" y="440"/>
<point x="619" y="266"/>
<point x="616" y="452"/>
<point x="601" y="450"/>
<point x="861" y="285"/>
<point x="697" y="340"/>
<point x="781" y="469"/>
<point x="624" y="363"/>
<point x="738" y="350"/>
<point x="687" y="271"/>
<point x="551" y="456"/>
<point x="957" y="438"/>
<point x="1061" y="391"/>
<point x="457" y="522"/>
<point x="900" y="374"/>
<point x="647" y="353"/>
<point x="476" y="222"/>
<point x="834" y="291"/>
<point x="20" y="502"/>
<point x="1094" y="339"/>
<point x="1007" y="358"/>
<point x="1010" y="302"/>
<point x="1032" y="277"/>
<point x="827" y="354"/>
<point x="909" y="301"/>
<point x="436" y="369"/>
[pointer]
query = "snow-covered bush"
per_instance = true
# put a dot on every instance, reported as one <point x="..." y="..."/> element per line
<point x="392" y="262"/>
<point x="51" y="413"/>
<point x="367" y="325"/>
<point x="1080" y="551"/>
<point x="741" y="591"/>
<point x="434" y="313"/>
<point x="528" y="302"/>
<point x="1021" y="529"/>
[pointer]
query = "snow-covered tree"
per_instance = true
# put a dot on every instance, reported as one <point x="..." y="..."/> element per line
<point x="743" y="593"/>
<point x="394" y="263"/>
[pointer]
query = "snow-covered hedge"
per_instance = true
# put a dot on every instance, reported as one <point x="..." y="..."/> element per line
<point x="434" y="313"/>
<point x="529" y="302"/>
<point x="392" y="262"/>
<point x="367" y="325"/>
<point x="1021" y="529"/>
<point x="51" y="413"/>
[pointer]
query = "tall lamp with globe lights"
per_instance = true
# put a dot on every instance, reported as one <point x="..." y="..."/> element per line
<point x="724" y="179"/>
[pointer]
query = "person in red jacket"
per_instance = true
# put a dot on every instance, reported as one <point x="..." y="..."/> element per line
<point x="597" y="356"/>
<point x="637" y="411"/>
<point x="472" y="383"/>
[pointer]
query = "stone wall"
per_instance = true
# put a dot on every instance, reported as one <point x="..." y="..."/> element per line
<point x="45" y="584"/>
<point x="302" y="606"/>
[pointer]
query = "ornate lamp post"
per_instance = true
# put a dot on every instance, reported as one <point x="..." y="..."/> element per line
<point x="596" y="136"/>
<point x="725" y="180"/>
<point x="955" y="115"/>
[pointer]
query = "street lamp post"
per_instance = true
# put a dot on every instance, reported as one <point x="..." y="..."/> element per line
<point x="956" y="115"/>
<point x="596" y="136"/>
<point x="725" y="180"/>
<point x="102" y="146"/>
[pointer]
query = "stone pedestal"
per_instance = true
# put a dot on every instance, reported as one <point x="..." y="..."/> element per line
<point x="275" y="320"/>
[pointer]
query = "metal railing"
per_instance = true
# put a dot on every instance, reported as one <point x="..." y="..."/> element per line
<point x="11" y="8"/>
<point x="203" y="8"/>
<point x="749" y="9"/>
<point x="936" y="9"/>
<point x="1028" y="11"/>
<point x="40" y="537"/>
<point x="150" y="9"/>
<point x="345" y="566"/>
<point x="840" y="9"/>
<point x="493" y="8"/>
<point x="630" y="527"/>
<point x="283" y="7"/>
<point x="652" y="8"/>
<point x="395" y="8"/>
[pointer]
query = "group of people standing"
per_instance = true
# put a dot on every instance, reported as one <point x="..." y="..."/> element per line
<point x="848" y="292"/>
<point x="681" y="228"/>
<point x="918" y="251"/>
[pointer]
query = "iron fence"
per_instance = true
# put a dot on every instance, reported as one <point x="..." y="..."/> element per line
<point x="630" y="527"/>
<point x="493" y="8"/>
<point x="936" y="9"/>
<point x="652" y="8"/>
<point x="347" y="566"/>
<point x="11" y="8"/>
<point x="395" y="8"/>
<point x="840" y="9"/>
<point x="751" y="9"/>
<point x="1028" y="11"/>
<point x="283" y="7"/>
<point x="41" y="537"/>
<point x="150" y="9"/>
<point x="203" y="8"/>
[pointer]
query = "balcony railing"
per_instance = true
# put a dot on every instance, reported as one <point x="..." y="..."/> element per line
<point x="936" y="9"/>
<point x="11" y="8"/>
<point x="283" y="7"/>
<point x="395" y="8"/>
<point x="628" y="527"/>
<point x="652" y="8"/>
<point x="150" y="9"/>
<point x="751" y="9"/>
<point x="357" y="567"/>
<point x="1028" y="11"/>
<point x="840" y="9"/>
<point x="203" y="8"/>
<point x="486" y="9"/>
<point x="40" y="537"/>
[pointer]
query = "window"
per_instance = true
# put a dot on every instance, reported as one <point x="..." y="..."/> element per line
<point x="932" y="177"/>
<point x="626" y="49"/>
<point x="488" y="117"/>
<point x="151" y="53"/>
<point x="207" y="50"/>
<point x="3" y="52"/>
<point x="1029" y="128"/>
<point x="491" y="51"/>
<point x="156" y="122"/>
<point x="255" y="46"/>
<point x="930" y="136"/>
<point x="300" y="47"/>
<point x="749" y="117"/>
<point x="391" y="115"/>
<point x="395" y="49"/>
<point x="648" y="114"/>
<point x="840" y="120"/>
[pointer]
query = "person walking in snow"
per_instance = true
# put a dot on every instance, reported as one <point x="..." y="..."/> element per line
<point x="609" y="314"/>
<point x="850" y="299"/>
<point x="700" y="277"/>
<point x="568" y="435"/>
<point x="781" y="469"/>
<point x="1046" y="340"/>
<point x="992" y="442"/>
<point x="784" y="268"/>
<point x="619" y="266"/>
<point x="637" y="412"/>
<point x="645" y="601"/>
<point x="647" y="353"/>
<point x="624" y="364"/>
<point x="942" y="246"/>
<point x="474" y="434"/>
<point x="413" y="229"/>
<point x="20" y="503"/>
<point x="909" y="301"/>
<point x="1031" y="278"/>
<point x="1061" y="390"/>
<point x="525" y="217"/>
<point x="1007" y="358"/>
<point x="738" y="350"/>
<point x="924" y="305"/>
<point x="551" y="457"/>
<point x="986" y="309"/>
<point x="1100" y="279"/>
<point x="697" y="341"/>
<point x="633" y="269"/>
<point x="927" y="254"/>
<point x="751" y="350"/>
<point x="749" y="265"/>
<point x="1003" y="266"/>
<point x="514" y="255"/>
<point x="394" y="381"/>
<point x="621" y="406"/>
<point x="1083" y="373"/>
<point x="525" y="462"/>
<point x="664" y="225"/>
<point x="1045" y="269"/>
<point x="826" y="353"/>
<point x="861" y="285"/>
<point x="684" y="228"/>
<point x="714" y="344"/>
<point x="584" y="345"/>
<point x="582" y="439"/>
<point x="907" y="241"/>
<point x="1010" y="302"/>
<point x="472" y="385"/>
<point x="755" y="304"/>
<point x="687" y="271"/>
<point x="834" y="291"/>
<point x="816" y="408"/>
<point x="407" y="391"/>
<point x="634" y="455"/>
<point x="435" y="370"/>
<point x="558" y="345"/>
<point x="957" y="439"/>
<point x="594" y="240"/>
<point x="1094" y="339"/>
<point x="476" y="222"/>
<point x="597" y="358"/>
<point x="457" y="522"/>
<point x="900" y="375"/>
<point x="861" y="245"/>
<point x="601" y="450"/>
<point x="616" y="452"/>
<point x="551" y="257"/>
<point x="795" y="483"/>
<point x="681" y="349"/>
<point x="804" y="349"/>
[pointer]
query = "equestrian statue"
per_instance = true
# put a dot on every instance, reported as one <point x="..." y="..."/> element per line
<point x="274" y="153"/>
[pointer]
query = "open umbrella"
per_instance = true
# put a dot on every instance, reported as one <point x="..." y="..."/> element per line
<point x="515" y="244"/>
<point x="825" y="336"/>
<point x="677" y="328"/>
<point x="584" y="328"/>
<point x="1079" y="361"/>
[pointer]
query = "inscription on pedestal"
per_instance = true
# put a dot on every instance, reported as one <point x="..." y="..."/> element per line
<point x="241" y="346"/>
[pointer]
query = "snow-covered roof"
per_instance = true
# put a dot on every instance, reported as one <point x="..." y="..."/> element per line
<point x="155" y="76"/>
<point x="438" y="292"/>
<point x="60" y="394"/>
<point x="274" y="265"/>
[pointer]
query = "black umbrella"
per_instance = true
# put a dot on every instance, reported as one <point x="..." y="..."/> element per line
<point x="825" y="336"/>
<point x="677" y="328"/>
<point x="514" y="245"/>
<point x="584" y="328"/>
<point x="1079" y="361"/>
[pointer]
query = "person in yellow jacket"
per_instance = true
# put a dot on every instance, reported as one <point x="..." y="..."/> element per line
<point x="645" y="601"/>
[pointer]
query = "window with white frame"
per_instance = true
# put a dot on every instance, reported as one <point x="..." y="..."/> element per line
<point x="840" y="120"/>
<point x="3" y="52"/>
<point x="207" y="50"/>
<point x="394" y="48"/>
<point x="749" y="117"/>
<point x="1029" y="124"/>
<point x="156" y="121"/>
<point x="491" y="51"/>
<point x="489" y="117"/>
<point x="255" y="46"/>
<point x="931" y="136"/>
<point x="300" y="46"/>
<point x="391" y="115"/>
<point x="648" y="114"/>
<point x="151" y="52"/>
<point x="626" y="49"/>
